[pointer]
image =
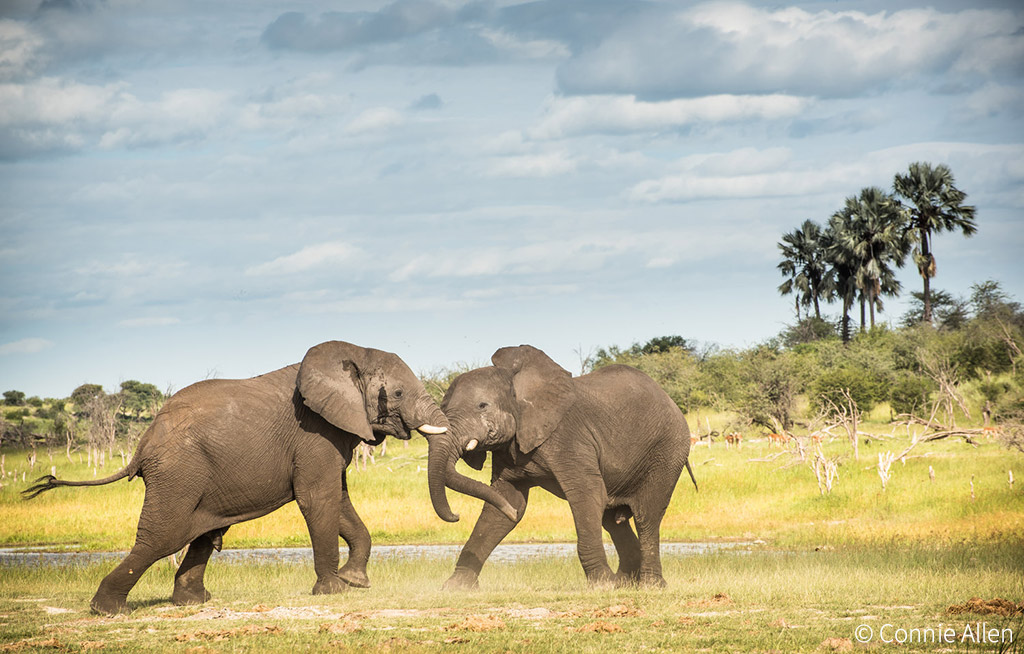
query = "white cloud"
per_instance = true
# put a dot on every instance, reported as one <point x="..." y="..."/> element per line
<point x="52" y="113"/>
<point x="378" y="119"/>
<point x="520" y="290"/>
<point x="579" y="253"/>
<point x="567" y="116"/>
<point x="25" y="346"/>
<point x="729" y="47"/>
<point x="749" y="173"/>
<point x="548" y="164"/>
<point x="19" y="49"/>
<point x="149" y="322"/>
<point x="334" y="252"/>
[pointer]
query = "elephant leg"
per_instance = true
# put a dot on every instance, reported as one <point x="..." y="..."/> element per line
<point x="157" y="537"/>
<point x="648" y="529"/>
<point x="626" y="544"/>
<point x="188" y="580"/>
<point x="357" y="537"/>
<point x="491" y="527"/>
<point x="588" y="510"/>
<point x="319" y="502"/>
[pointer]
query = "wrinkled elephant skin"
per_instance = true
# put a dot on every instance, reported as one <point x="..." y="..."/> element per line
<point x="612" y="443"/>
<point x="225" y="451"/>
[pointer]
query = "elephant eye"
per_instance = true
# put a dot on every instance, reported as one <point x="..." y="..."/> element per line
<point x="484" y="405"/>
<point x="398" y="393"/>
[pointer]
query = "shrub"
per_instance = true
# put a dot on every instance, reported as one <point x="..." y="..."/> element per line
<point x="910" y="394"/>
<point x="864" y="389"/>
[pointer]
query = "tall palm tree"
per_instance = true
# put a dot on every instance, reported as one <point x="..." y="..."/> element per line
<point x="872" y="237"/>
<point x="842" y="268"/>
<point x="937" y="205"/>
<point x="805" y="264"/>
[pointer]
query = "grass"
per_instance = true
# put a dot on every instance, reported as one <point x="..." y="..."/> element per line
<point x="757" y="601"/>
<point x="815" y="569"/>
<point x="759" y="492"/>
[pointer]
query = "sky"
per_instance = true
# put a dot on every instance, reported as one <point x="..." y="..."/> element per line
<point x="194" y="189"/>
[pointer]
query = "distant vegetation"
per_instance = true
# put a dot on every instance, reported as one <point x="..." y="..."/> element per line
<point x="854" y="257"/>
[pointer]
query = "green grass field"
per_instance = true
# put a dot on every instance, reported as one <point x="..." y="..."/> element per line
<point x="817" y="567"/>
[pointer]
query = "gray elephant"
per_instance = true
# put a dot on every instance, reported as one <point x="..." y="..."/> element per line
<point x="611" y="443"/>
<point x="225" y="451"/>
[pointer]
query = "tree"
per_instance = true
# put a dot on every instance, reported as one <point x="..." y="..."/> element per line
<point x="664" y="344"/>
<point x="936" y="205"/>
<point x="870" y="236"/>
<point x="139" y="397"/>
<point x="843" y="269"/>
<point x="14" y="398"/>
<point x="804" y="262"/>
<point x="948" y="311"/>
<point x="82" y="396"/>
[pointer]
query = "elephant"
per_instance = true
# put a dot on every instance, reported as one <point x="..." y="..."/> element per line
<point x="225" y="451"/>
<point x="612" y="443"/>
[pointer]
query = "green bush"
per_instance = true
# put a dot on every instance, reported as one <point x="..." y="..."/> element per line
<point x="865" y="389"/>
<point x="909" y="394"/>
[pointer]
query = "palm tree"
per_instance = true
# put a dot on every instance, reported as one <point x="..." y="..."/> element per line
<point x="842" y="268"/>
<point x="937" y="205"/>
<point x="805" y="264"/>
<point x="872" y="238"/>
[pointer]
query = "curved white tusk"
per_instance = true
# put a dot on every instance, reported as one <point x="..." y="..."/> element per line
<point x="471" y="445"/>
<point x="431" y="429"/>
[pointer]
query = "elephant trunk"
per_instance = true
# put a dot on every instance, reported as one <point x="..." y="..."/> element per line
<point x="442" y="455"/>
<point x="427" y="417"/>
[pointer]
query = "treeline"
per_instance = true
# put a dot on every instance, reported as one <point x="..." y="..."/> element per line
<point x="854" y="257"/>
<point x="967" y="368"/>
<point x="88" y="416"/>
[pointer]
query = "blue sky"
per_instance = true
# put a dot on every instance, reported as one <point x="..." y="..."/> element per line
<point x="199" y="189"/>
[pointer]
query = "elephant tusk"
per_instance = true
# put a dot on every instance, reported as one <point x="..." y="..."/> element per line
<point x="431" y="429"/>
<point x="471" y="445"/>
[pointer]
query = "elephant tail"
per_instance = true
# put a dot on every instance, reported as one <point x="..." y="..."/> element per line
<point x="692" y="478"/>
<point x="49" y="482"/>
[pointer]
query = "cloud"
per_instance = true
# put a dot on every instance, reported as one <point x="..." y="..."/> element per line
<point x="52" y="114"/>
<point x="566" y="116"/>
<point x="417" y="32"/>
<point x="148" y="322"/>
<point x="307" y="258"/>
<point x="735" y="48"/>
<point x="342" y="30"/>
<point x="427" y="102"/>
<point x="378" y="119"/>
<point x="19" y="49"/>
<point x="25" y="346"/>
<point x="548" y="164"/>
<point x="749" y="173"/>
<point x="578" y="253"/>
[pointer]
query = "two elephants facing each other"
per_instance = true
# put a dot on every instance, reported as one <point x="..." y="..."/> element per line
<point x="612" y="443"/>
<point x="225" y="451"/>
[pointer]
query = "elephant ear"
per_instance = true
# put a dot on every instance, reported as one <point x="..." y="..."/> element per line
<point x="329" y="384"/>
<point x="543" y="390"/>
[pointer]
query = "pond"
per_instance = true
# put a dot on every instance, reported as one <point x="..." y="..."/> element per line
<point x="507" y="553"/>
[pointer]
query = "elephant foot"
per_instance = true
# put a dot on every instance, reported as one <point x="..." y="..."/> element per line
<point x="652" y="581"/>
<point x="462" y="579"/>
<point x="354" y="578"/>
<point x="330" y="586"/>
<point x="108" y="606"/>
<point x="182" y="596"/>
<point x="603" y="578"/>
<point x="626" y="579"/>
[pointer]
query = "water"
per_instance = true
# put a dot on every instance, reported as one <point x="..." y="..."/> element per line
<point x="509" y="553"/>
